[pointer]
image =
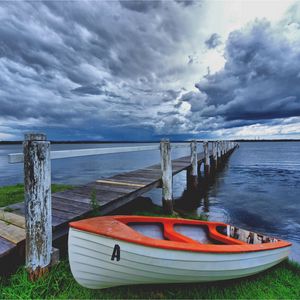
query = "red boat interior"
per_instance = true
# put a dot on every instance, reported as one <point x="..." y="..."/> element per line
<point x="186" y="231"/>
<point x="179" y="234"/>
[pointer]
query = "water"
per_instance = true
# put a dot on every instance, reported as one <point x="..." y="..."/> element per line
<point x="259" y="188"/>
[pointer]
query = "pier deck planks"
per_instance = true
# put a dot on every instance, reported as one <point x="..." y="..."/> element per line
<point x="111" y="193"/>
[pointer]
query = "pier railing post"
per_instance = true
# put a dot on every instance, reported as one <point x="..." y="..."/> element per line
<point x="192" y="171"/>
<point x="219" y="151"/>
<point x="206" y="158"/>
<point x="215" y="154"/>
<point x="37" y="181"/>
<point x="222" y="149"/>
<point x="166" y="169"/>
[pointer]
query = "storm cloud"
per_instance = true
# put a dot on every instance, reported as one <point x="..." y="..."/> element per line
<point x="260" y="79"/>
<point x="138" y="70"/>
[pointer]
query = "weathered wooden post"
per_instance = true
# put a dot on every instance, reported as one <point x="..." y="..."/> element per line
<point x="206" y="158"/>
<point x="219" y="151"/>
<point x="223" y="149"/>
<point x="166" y="169"/>
<point x="192" y="171"/>
<point x="37" y="181"/>
<point x="215" y="154"/>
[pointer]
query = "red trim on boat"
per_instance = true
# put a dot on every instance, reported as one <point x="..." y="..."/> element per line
<point x="116" y="227"/>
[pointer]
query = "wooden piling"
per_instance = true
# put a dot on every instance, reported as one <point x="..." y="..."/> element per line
<point x="166" y="169"/>
<point x="206" y="159"/>
<point x="219" y="151"/>
<point x="223" y="149"/>
<point x="37" y="181"/>
<point x="192" y="171"/>
<point x="215" y="154"/>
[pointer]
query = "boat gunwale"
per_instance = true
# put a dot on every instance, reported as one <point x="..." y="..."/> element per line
<point x="116" y="227"/>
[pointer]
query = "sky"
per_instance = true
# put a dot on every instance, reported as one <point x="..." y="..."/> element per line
<point x="144" y="70"/>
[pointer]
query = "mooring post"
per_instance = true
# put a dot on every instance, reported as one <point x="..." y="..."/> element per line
<point x="206" y="158"/>
<point x="215" y="154"/>
<point x="37" y="181"/>
<point x="222" y="149"/>
<point x="219" y="150"/>
<point x="166" y="169"/>
<point x="192" y="171"/>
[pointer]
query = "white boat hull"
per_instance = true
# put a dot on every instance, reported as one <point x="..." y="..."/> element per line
<point x="90" y="257"/>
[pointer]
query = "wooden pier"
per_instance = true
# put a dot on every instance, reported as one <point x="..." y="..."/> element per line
<point x="40" y="221"/>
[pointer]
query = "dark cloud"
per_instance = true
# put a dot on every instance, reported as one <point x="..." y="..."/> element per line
<point x="142" y="6"/>
<point x="213" y="41"/>
<point x="187" y="2"/>
<point x="66" y="64"/>
<point x="261" y="78"/>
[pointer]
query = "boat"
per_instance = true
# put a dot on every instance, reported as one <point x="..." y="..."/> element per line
<point x="124" y="250"/>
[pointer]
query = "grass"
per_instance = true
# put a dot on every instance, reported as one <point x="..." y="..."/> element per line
<point x="15" y="193"/>
<point x="280" y="282"/>
<point x="94" y="204"/>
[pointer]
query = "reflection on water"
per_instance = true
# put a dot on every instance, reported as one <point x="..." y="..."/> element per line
<point x="258" y="189"/>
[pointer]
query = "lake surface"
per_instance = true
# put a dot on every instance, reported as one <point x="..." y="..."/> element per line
<point x="258" y="189"/>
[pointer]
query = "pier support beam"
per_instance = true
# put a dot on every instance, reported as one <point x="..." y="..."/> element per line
<point x="192" y="179"/>
<point x="37" y="181"/>
<point x="166" y="169"/>
<point x="206" y="159"/>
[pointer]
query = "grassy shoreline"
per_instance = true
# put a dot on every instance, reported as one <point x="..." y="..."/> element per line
<point x="282" y="281"/>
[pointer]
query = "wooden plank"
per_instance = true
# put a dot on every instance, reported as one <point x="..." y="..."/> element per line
<point x="64" y="215"/>
<point x="12" y="218"/>
<point x="102" y="197"/>
<point x="153" y="167"/>
<point x="19" y="157"/>
<point x="149" y="171"/>
<point x="131" y="184"/>
<point x="19" y="209"/>
<point x="111" y="206"/>
<point x="19" y="205"/>
<point x="12" y="233"/>
<point x="132" y="179"/>
<point x="112" y="187"/>
<point x="88" y="191"/>
<point x="66" y="205"/>
<point x="5" y="247"/>
<point x="72" y="203"/>
<point x="180" y="166"/>
<point x="144" y="175"/>
<point x="70" y="195"/>
<point x="183" y="161"/>
<point x="127" y="181"/>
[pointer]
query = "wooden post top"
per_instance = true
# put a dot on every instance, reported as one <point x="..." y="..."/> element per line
<point x="34" y="136"/>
